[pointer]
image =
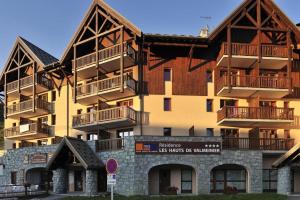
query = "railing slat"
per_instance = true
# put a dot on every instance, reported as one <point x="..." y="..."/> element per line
<point x="110" y="144"/>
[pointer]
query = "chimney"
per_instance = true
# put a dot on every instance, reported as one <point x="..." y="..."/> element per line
<point x="204" y="32"/>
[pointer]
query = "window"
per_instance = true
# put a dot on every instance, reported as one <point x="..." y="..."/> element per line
<point x="42" y="142"/>
<point x="227" y="102"/>
<point x="13" y="178"/>
<point x="221" y="178"/>
<point x="14" y="145"/>
<point x="91" y="137"/>
<point x="269" y="180"/>
<point x="1" y="170"/>
<point x="210" y="132"/>
<point x="79" y="111"/>
<point x="208" y="76"/>
<point x="128" y="103"/>
<point x="229" y="133"/>
<point x="167" y="104"/>
<point x="125" y="133"/>
<point x="53" y="119"/>
<point x="287" y="134"/>
<point x="209" y="105"/>
<point x="167" y="132"/>
<point x="167" y="75"/>
<point x="79" y="137"/>
<point x="43" y="120"/>
<point x="53" y="95"/>
<point x="186" y="181"/>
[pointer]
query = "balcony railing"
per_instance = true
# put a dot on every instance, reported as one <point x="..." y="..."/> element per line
<point x="104" y="85"/>
<point x="27" y="105"/>
<point x="267" y="113"/>
<point x="272" y="144"/>
<point x="105" y="116"/>
<point x="254" y="82"/>
<point x="243" y="49"/>
<point x="105" y="54"/>
<point x="110" y="145"/>
<point x="33" y="128"/>
<point x="28" y="81"/>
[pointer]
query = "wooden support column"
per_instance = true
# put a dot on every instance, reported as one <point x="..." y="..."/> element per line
<point x="97" y="47"/>
<point x="289" y="66"/>
<point x="75" y="74"/>
<point x="122" y="58"/>
<point x="259" y="48"/>
<point x="5" y="96"/>
<point x="34" y="87"/>
<point x="19" y="85"/>
<point x="229" y="50"/>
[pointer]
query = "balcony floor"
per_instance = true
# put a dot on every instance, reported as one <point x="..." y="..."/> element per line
<point x="107" y="95"/>
<point x="28" y="113"/>
<point x="28" y="136"/>
<point x="248" y="61"/>
<point x="247" y="92"/>
<point x="111" y="124"/>
<point x="250" y="123"/>
<point x="107" y="66"/>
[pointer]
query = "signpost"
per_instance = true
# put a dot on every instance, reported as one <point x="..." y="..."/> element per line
<point x="111" y="168"/>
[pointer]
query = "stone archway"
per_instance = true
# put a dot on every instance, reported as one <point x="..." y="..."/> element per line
<point x="229" y="178"/>
<point x="39" y="177"/>
<point x="165" y="177"/>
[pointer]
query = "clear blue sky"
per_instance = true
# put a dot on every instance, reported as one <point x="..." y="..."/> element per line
<point x="50" y="24"/>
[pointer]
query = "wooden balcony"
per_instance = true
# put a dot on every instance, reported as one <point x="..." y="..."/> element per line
<point x="110" y="145"/>
<point x="109" y="60"/>
<point x="42" y="84"/>
<point x="111" y="118"/>
<point x="25" y="109"/>
<point x="28" y="132"/>
<point x="253" y="86"/>
<point x="255" y="117"/>
<point x="245" y="55"/>
<point x="105" y="90"/>
<point x="264" y="144"/>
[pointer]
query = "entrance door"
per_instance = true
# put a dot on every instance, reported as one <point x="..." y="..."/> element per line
<point x="78" y="179"/>
<point x="164" y="180"/>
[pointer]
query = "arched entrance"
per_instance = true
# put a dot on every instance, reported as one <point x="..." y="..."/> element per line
<point x="229" y="178"/>
<point x="40" y="177"/>
<point x="171" y="179"/>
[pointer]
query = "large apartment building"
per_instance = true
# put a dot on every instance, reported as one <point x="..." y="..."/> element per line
<point x="190" y="114"/>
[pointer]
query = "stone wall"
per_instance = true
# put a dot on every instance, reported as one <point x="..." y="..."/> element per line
<point x="13" y="161"/>
<point x="132" y="176"/>
<point x="60" y="181"/>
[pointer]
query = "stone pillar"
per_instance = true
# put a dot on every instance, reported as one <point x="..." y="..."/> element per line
<point x="284" y="180"/>
<point x="91" y="183"/>
<point x="255" y="180"/>
<point x="203" y="181"/>
<point x="60" y="181"/>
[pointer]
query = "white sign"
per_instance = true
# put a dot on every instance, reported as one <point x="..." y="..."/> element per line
<point x="111" y="179"/>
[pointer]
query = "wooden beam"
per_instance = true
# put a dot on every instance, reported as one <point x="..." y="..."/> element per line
<point x="5" y="96"/>
<point x="244" y="27"/>
<point x="229" y="49"/>
<point x="122" y="58"/>
<point x="176" y="44"/>
<point x="191" y="56"/>
<point x="34" y="87"/>
<point x="99" y="35"/>
<point x="259" y="32"/>
<point x="289" y="66"/>
<point x="75" y="74"/>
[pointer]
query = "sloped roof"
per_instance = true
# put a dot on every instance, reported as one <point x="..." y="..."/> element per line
<point x="112" y="12"/>
<point x="240" y="8"/>
<point x="290" y="155"/>
<point x="40" y="56"/>
<point x="82" y="152"/>
<point x="43" y="56"/>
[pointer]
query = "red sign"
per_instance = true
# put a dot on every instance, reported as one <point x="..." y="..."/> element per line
<point x="111" y="166"/>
